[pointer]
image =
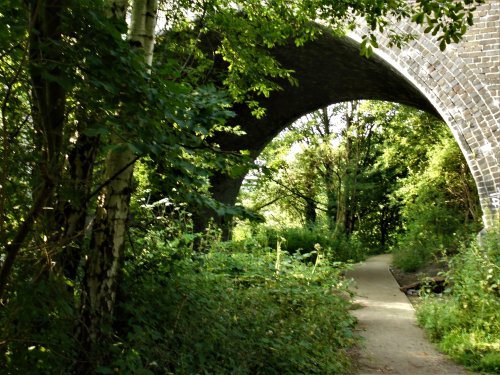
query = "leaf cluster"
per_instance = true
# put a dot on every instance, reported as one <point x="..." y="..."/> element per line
<point x="448" y="20"/>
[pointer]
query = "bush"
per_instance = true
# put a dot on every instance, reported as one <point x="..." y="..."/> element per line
<point x="37" y="326"/>
<point x="298" y="240"/>
<point x="233" y="313"/>
<point x="466" y="322"/>
<point x="432" y="230"/>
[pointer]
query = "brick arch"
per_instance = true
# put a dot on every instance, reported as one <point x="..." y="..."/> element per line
<point x="460" y="85"/>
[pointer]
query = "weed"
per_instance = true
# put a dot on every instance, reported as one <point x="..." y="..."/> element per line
<point x="466" y="322"/>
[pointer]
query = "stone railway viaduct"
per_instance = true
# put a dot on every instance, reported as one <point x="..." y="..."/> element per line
<point x="460" y="85"/>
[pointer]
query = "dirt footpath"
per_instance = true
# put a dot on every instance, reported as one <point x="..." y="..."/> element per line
<point x="393" y="343"/>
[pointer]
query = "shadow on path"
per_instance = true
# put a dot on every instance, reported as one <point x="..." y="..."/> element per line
<point x="393" y="343"/>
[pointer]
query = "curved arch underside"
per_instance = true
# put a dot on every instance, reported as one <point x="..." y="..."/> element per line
<point x="329" y="70"/>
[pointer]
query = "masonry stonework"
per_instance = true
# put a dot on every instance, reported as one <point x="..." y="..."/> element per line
<point x="463" y="84"/>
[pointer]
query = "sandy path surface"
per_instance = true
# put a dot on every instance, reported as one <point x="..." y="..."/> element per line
<point x="393" y="343"/>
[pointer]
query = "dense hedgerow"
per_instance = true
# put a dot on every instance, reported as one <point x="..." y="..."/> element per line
<point x="440" y="207"/>
<point x="233" y="313"/>
<point x="466" y="321"/>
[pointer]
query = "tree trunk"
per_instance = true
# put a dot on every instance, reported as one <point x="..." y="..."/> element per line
<point x="344" y="187"/>
<point x="310" y="212"/>
<point x="331" y="196"/>
<point x="104" y="261"/>
<point x="346" y="212"/>
<point x="104" y="264"/>
<point x="329" y="166"/>
<point x="310" y="192"/>
<point x="75" y="210"/>
<point x="49" y="105"/>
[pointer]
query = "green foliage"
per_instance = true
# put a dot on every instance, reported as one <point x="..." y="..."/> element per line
<point x="230" y="312"/>
<point x="459" y="17"/>
<point x="440" y="206"/>
<point x="169" y="301"/>
<point x="15" y="178"/>
<point x="297" y="239"/>
<point x="349" y="160"/>
<point x="226" y="311"/>
<point x="36" y="327"/>
<point x="466" y="320"/>
<point x="309" y="242"/>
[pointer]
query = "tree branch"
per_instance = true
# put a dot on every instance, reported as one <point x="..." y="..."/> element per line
<point x="299" y="194"/>
<point x="109" y="180"/>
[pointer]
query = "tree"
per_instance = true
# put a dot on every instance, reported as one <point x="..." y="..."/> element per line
<point x="337" y="151"/>
<point x="354" y="164"/>
<point x="108" y="236"/>
<point x="48" y="116"/>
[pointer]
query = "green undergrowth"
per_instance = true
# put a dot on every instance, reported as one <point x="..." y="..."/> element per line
<point x="465" y="322"/>
<point x="424" y="241"/>
<point x="225" y="312"/>
<point x="305" y="240"/>
<point x="231" y="310"/>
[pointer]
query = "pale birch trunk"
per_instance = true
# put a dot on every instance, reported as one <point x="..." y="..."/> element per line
<point x="104" y="263"/>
